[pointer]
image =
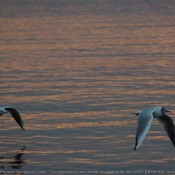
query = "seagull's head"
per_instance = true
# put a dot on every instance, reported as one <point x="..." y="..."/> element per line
<point x="164" y="110"/>
<point x="2" y="111"/>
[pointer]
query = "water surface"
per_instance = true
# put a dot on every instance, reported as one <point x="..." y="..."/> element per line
<point x="75" y="70"/>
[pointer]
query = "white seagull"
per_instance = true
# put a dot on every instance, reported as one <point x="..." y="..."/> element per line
<point x="15" y="114"/>
<point x="145" y="118"/>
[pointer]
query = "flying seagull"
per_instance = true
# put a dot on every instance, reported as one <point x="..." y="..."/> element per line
<point x="145" y="118"/>
<point x="15" y="114"/>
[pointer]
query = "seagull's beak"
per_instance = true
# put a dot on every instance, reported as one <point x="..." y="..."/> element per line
<point x="167" y="110"/>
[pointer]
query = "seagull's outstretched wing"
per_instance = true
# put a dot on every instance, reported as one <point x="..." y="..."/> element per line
<point x="15" y="114"/>
<point x="144" y="122"/>
<point x="168" y="124"/>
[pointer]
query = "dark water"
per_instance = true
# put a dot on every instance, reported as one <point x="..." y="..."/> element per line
<point x="75" y="70"/>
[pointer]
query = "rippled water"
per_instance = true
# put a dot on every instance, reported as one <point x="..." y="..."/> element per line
<point x="75" y="70"/>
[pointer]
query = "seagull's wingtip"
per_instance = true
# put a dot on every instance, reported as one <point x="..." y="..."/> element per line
<point x="22" y="127"/>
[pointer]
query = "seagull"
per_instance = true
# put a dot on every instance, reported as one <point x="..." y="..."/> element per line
<point x="15" y="114"/>
<point x="145" y="118"/>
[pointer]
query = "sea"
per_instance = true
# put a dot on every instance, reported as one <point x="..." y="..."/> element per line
<point x="76" y="71"/>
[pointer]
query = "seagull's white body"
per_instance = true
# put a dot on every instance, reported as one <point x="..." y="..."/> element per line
<point x="15" y="114"/>
<point x="145" y="118"/>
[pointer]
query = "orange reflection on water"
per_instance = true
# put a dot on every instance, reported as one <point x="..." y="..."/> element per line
<point x="91" y="124"/>
<point x="76" y="81"/>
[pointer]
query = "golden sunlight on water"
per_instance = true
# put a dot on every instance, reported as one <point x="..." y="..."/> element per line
<point x="89" y="121"/>
<point x="76" y="79"/>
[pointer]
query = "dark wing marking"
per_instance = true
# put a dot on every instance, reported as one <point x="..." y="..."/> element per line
<point x="136" y="143"/>
<point x="15" y="114"/>
<point x="168" y="124"/>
